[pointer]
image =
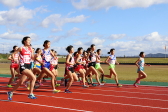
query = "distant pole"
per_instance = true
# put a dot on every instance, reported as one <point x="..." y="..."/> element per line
<point x="3" y="49"/>
<point x="165" y="51"/>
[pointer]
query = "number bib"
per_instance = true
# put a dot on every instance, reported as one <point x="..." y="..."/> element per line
<point x="47" y="58"/>
<point x="26" y="59"/>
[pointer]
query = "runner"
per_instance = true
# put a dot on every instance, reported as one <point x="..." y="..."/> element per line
<point x="92" y="58"/>
<point x="111" y="61"/>
<point x="46" y="56"/>
<point x="98" y="66"/>
<point x="54" y="66"/>
<point x="79" y="67"/>
<point x="14" y="66"/>
<point x="140" y="63"/>
<point x="26" y="55"/>
<point x="70" y="74"/>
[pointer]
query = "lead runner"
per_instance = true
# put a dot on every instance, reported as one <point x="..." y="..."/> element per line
<point x="26" y="55"/>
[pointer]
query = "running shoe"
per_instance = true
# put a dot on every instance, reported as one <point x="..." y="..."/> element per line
<point x="85" y="86"/>
<point x="10" y="86"/>
<point x="101" y="84"/>
<point x="138" y="81"/>
<point x="81" y="82"/>
<point x="94" y="85"/>
<point x="10" y="94"/>
<point x="28" y="85"/>
<point x="56" y="91"/>
<point x="119" y="85"/>
<point x="40" y="84"/>
<point x="67" y="91"/>
<point x="32" y="96"/>
<point x="57" y="85"/>
<point x="135" y="85"/>
<point x="89" y="83"/>
<point x="62" y="81"/>
<point x="37" y="85"/>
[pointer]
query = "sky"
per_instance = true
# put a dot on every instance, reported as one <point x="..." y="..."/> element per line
<point x="129" y="26"/>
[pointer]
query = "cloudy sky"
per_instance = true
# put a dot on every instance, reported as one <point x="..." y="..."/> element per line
<point x="129" y="26"/>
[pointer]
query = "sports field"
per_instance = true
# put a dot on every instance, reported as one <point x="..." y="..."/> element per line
<point x="156" y="73"/>
<point x="119" y="59"/>
<point x="107" y="98"/>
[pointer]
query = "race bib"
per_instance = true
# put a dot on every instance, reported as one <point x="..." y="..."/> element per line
<point x="48" y="58"/>
<point x="26" y="59"/>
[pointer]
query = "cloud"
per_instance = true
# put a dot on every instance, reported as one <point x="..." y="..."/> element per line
<point x="154" y="36"/>
<point x="16" y="16"/>
<point x="117" y="36"/>
<point x="12" y="36"/>
<point x="71" y="13"/>
<point x="78" y="43"/>
<point x="56" y="30"/>
<point x="11" y="3"/>
<point x="107" y="4"/>
<point x="92" y="34"/>
<point x="59" y="21"/>
<point x="151" y="43"/>
<point x="166" y="38"/>
<point x="42" y="9"/>
<point x="72" y="32"/>
<point x="97" y="41"/>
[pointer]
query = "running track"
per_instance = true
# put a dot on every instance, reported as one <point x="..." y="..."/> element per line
<point x="107" y="98"/>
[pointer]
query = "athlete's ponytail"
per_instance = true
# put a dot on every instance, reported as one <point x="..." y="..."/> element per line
<point x="13" y="49"/>
<point x="141" y="53"/>
<point x="110" y="50"/>
<point x="75" y="53"/>
<point x="45" y="42"/>
<point x="88" y="50"/>
<point x="69" y="48"/>
<point x="52" y="50"/>
<point x="92" y="45"/>
<point x="98" y="50"/>
<point x="37" y="50"/>
<point x="80" y="48"/>
<point x="24" y="39"/>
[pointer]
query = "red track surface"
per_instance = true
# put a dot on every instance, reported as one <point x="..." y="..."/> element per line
<point x="105" y="98"/>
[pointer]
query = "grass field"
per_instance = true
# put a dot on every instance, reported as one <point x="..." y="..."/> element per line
<point x="120" y="60"/>
<point x="132" y="60"/>
<point x="156" y="73"/>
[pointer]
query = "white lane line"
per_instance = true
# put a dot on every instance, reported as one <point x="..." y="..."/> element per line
<point x="122" y="97"/>
<point x="125" y="92"/>
<point x="133" y="88"/>
<point x="115" y="96"/>
<point x="112" y="91"/>
<point x="46" y="106"/>
<point x="113" y="103"/>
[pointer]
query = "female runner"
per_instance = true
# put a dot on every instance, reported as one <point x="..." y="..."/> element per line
<point x="46" y="56"/>
<point x="111" y="61"/>
<point x="26" y="55"/>
<point x="14" y="65"/>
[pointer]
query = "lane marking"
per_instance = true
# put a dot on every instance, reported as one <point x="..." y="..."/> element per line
<point x="112" y="91"/>
<point x="97" y="101"/>
<point x="46" y="106"/>
<point x="123" y="84"/>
